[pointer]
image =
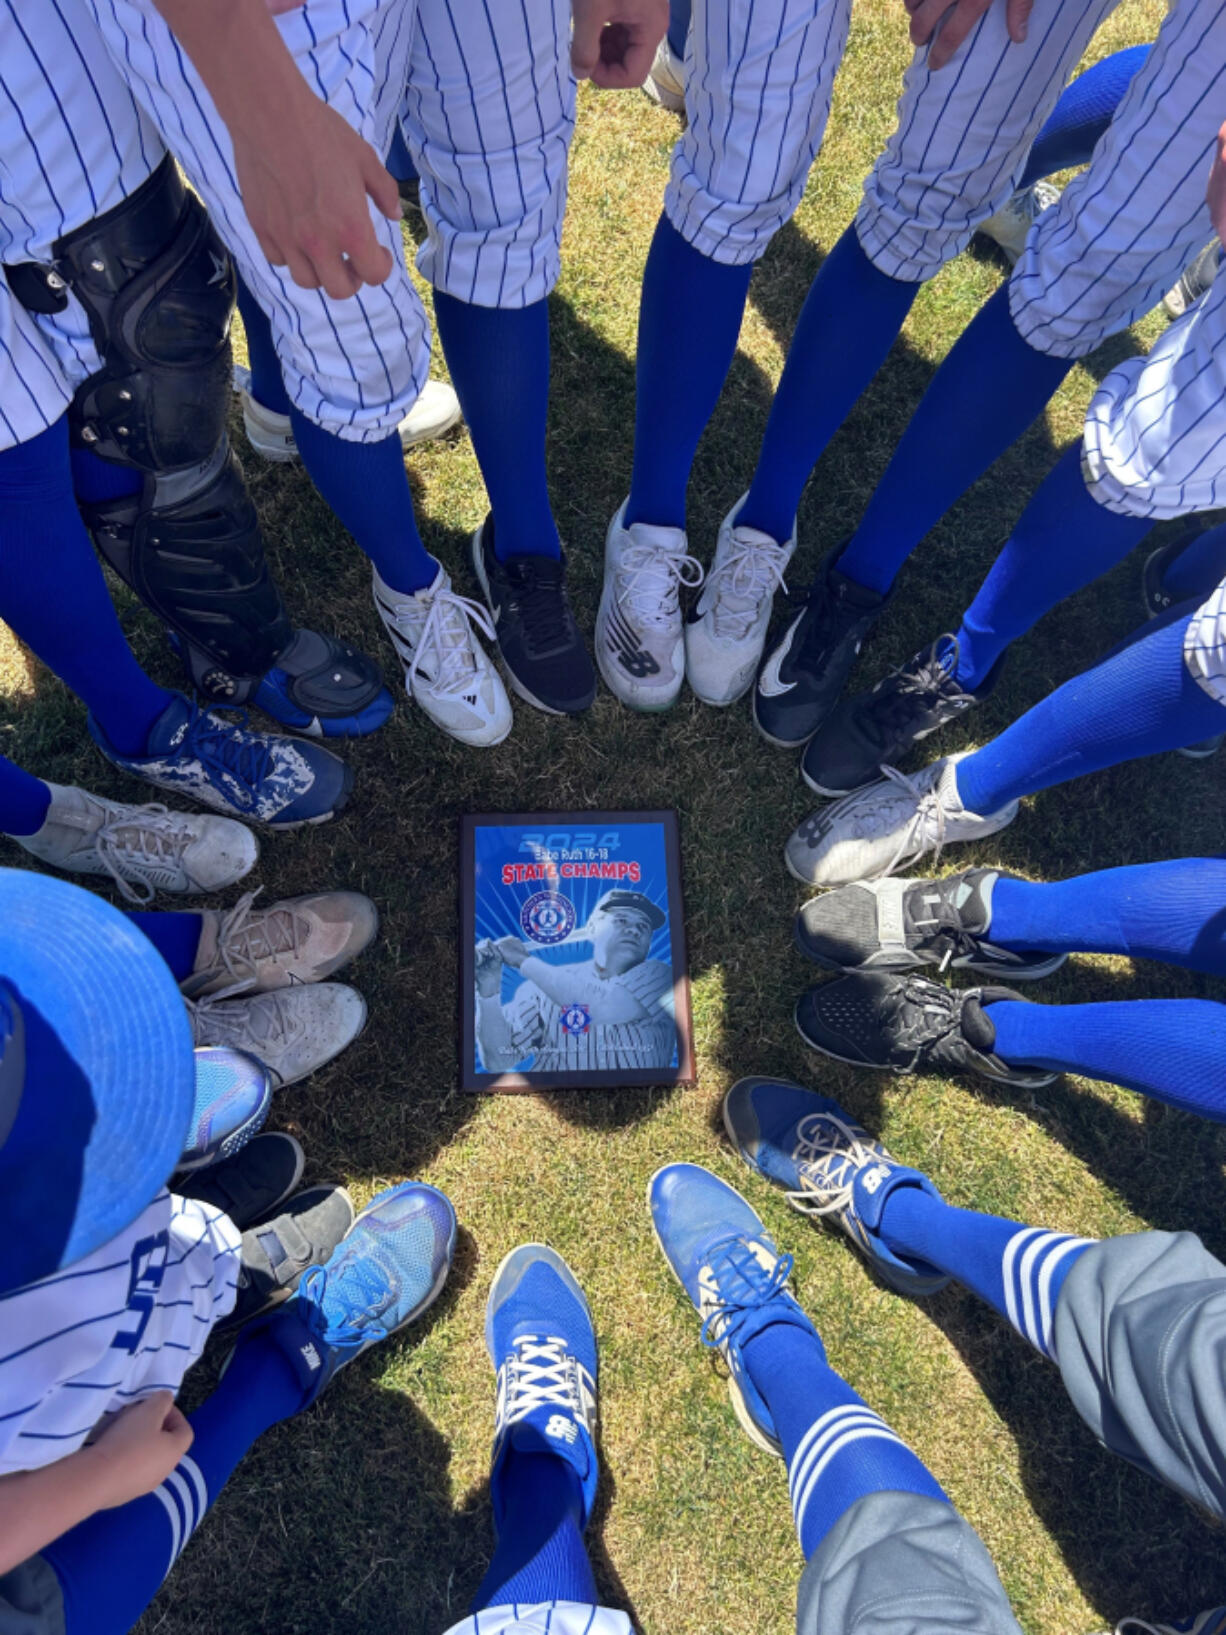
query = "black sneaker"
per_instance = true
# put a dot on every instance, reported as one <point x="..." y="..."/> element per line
<point x="884" y="725"/>
<point x="276" y="1255"/>
<point x="250" y="1186"/>
<point x="901" y="925"/>
<point x="908" y="1024"/>
<point x="542" y="651"/>
<point x="802" y="676"/>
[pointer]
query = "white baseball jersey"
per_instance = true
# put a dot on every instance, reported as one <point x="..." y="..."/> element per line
<point x="125" y="1321"/>
<point x="546" y="1618"/>
<point x="565" y="1039"/>
<point x="486" y="100"/>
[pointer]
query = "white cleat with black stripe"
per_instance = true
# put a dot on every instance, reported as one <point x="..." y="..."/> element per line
<point x="640" y="644"/>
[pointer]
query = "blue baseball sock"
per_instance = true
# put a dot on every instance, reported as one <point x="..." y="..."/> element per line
<point x="1200" y="568"/>
<point x="1173" y="911"/>
<point x="1140" y="701"/>
<point x="1085" y="109"/>
<point x="95" y="480"/>
<point x="175" y="936"/>
<point x="981" y="399"/>
<point x="1171" y="1049"/>
<point x="499" y="363"/>
<point x="24" y="800"/>
<point x="267" y="382"/>
<point x="1063" y="541"/>
<point x="399" y="160"/>
<point x="53" y="595"/>
<point x="111" y="1566"/>
<point x="850" y="320"/>
<point x="836" y="1448"/>
<point x="679" y="12"/>
<point x="541" y="1555"/>
<point x="1018" y="1270"/>
<point x="689" y="318"/>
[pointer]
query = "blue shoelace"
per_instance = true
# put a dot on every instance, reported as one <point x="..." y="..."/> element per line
<point x="366" y="1292"/>
<point x="228" y="753"/>
<point x="734" y="1261"/>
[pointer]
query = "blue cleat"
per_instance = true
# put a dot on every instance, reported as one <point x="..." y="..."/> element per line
<point x="284" y="782"/>
<point x="828" y="1165"/>
<point x="233" y="1095"/>
<point x="727" y="1263"/>
<point x="539" y="1334"/>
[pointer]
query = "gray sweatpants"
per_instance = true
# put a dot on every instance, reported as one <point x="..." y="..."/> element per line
<point x="1140" y="1339"/>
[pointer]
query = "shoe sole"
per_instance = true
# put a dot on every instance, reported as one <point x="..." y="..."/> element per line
<point x="1031" y="974"/>
<point x="778" y="743"/>
<point x="746" y="1420"/>
<point x="1038" y="1083"/>
<point x="324" y="817"/>
<point x="835" y="794"/>
<point x="516" y="685"/>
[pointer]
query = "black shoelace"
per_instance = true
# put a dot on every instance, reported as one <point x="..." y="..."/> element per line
<point x="538" y="600"/>
<point x="926" y="1020"/>
<point x="900" y="702"/>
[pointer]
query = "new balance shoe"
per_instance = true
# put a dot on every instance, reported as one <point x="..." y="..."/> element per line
<point x="807" y="670"/>
<point x="665" y="82"/>
<point x="283" y="782"/>
<point x="827" y="1165"/>
<point x="542" y="1343"/>
<point x="726" y="629"/>
<point x="233" y="1095"/>
<point x="886" y="826"/>
<point x="1011" y="224"/>
<point x="903" y="925"/>
<point x="251" y="1186"/>
<point x="446" y="670"/>
<point x="640" y="645"/>
<point x="1194" y="281"/>
<point x="271" y="435"/>
<point x="1212" y="1622"/>
<point x="298" y="940"/>
<point x="907" y="1024"/>
<point x="879" y="728"/>
<point x="143" y="849"/>
<point x="293" y="1031"/>
<point x="276" y="1255"/>
<point x="736" y="1279"/>
<point x="387" y="1270"/>
<point x="542" y="649"/>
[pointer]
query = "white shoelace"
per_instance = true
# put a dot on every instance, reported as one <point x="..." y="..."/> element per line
<point x="142" y="840"/>
<point x="874" y="816"/>
<point x="651" y="578"/>
<point x="753" y="571"/>
<point x="446" y="639"/>
<point x="826" y="1143"/>
<point x="542" y="1374"/>
<point x="245" y="939"/>
<point x="258" y="1020"/>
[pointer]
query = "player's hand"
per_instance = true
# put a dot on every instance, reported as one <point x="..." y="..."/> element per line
<point x="305" y="180"/>
<point x="614" y="41"/>
<point x="487" y="969"/>
<point x="1216" y="196"/>
<point x="512" y="952"/>
<point x="956" y="19"/>
<point x="137" y="1450"/>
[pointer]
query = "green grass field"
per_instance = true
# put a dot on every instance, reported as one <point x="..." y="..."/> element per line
<point x="371" y="1515"/>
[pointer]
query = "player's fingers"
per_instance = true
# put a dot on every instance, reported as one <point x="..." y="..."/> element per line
<point x="301" y="268"/>
<point x="176" y="1426"/>
<point x="369" y="260"/>
<point x="337" y="276"/>
<point x="1017" y="18"/>
<point x="957" y="24"/>
<point x="380" y="184"/>
<point x="924" y="18"/>
<point x="585" y="43"/>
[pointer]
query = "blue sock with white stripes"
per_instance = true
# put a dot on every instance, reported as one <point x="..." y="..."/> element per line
<point x="1198" y="569"/>
<point x="1171" y="1049"/>
<point x="850" y="320"/>
<point x="541" y="1555"/>
<point x="690" y="316"/>
<point x="24" y="800"/>
<point x="1063" y="540"/>
<point x="836" y="1448"/>
<point x="1018" y="1270"/>
<point x="175" y="936"/>
<point x="982" y="398"/>
<point x="1085" y="109"/>
<point x="111" y="1566"/>
<point x="1139" y="701"/>
<point x="267" y="381"/>
<point x="499" y="363"/>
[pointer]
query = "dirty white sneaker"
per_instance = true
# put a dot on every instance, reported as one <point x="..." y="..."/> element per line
<point x="1011" y="223"/>
<point x="144" y="849"/>
<point x="293" y="1031"/>
<point x="271" y="434"/>
<point x="887" y="825"/>
<point x="446" y="670"/>
<point x="665" y="82"/>
<point x="640" y="647"/>
<point x="300" y="939"/>
<point x="726" y="629"/>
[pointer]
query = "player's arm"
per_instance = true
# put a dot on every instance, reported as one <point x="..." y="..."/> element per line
<point x="607" y="1000"/>
<point x="955" y="19"/>
<point x="614" y="41"/>
<point x="135" y="1452"/>
<point x="303" y="171"/>
<point x="495" y="1035"/>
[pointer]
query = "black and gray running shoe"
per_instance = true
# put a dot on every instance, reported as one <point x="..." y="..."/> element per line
<point x="884" y="725"/>
<point x="251" y="1185"/>
<point x="907" y="1024"/>
<point x="903" y="925"/>
<point x="276" y="1255"/>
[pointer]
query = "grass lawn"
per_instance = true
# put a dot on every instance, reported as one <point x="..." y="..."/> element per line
<point x="371" y="1515"/>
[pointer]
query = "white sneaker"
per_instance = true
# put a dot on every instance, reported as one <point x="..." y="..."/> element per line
<point x="144" y="849"/>
<point x="1012" y="222"/>
<point x="884" y="827"/>
<point x="301" y="939"/>
<point x="665" y="82"/>
<point x="293" y="1031"/>
<point x="446" y="670"/>
<point x="1194" y="281"/>
<point x="640" y="647"/>
<point x="436" y="411"/>
<point x="726" y="630"/>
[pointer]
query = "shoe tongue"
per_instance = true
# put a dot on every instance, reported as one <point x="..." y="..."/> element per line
<point x="978" y="1029"/>
<point x="545" y="1430"/>
<point x="852" y="594"/>
<point x="671" y="540"/>
<point x="538" y="569"/>
<point x="168" y="730"/>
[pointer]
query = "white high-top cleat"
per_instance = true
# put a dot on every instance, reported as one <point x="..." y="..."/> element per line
<point x="446" y="670"/>
<point x="884" y="827"/>
<point x="726" y="629"/>
<point x="1010" y="226"/>
<point x="292" y="1031"/>
<point x="144" y="849"/>
<point x="640" y="647"/>
<point x="271" y="435"/>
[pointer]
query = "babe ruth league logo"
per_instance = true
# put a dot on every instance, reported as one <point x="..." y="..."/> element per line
<point x="547" y="917"/>
<point x="576" y="1019"/>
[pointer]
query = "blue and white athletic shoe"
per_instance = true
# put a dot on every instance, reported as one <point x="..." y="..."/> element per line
<point x="233" y="1095"/>
<point x="828" y="1165"/>
<point x="284" y="782"/>
<point x="727" y="1263"/>
<point x="539" y="1334"/>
